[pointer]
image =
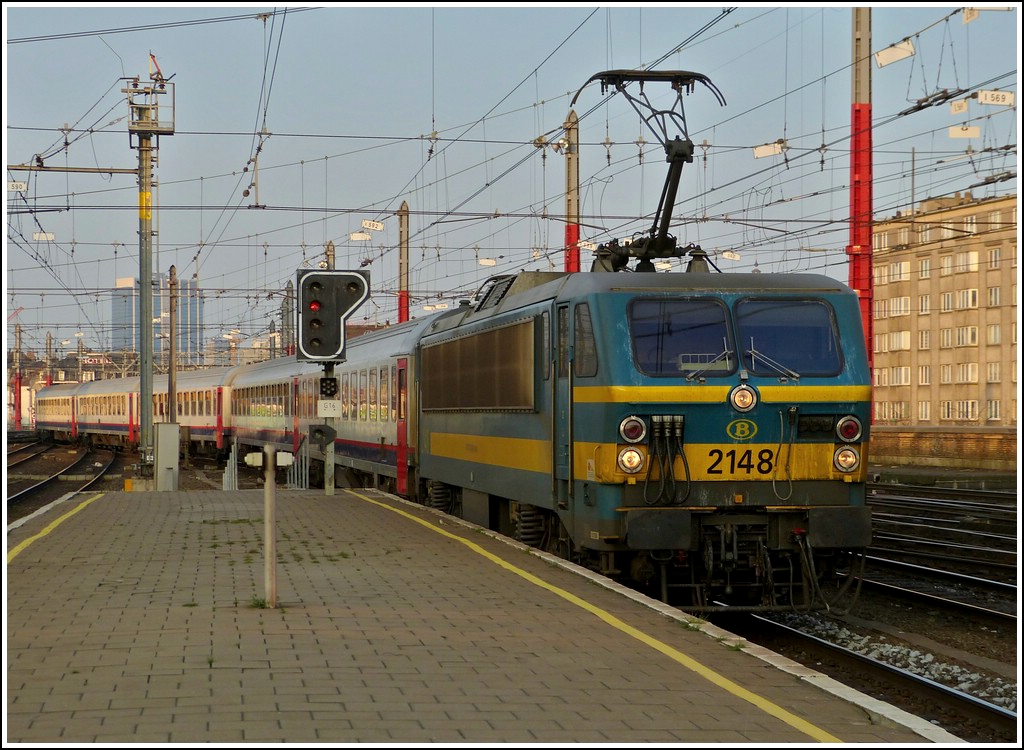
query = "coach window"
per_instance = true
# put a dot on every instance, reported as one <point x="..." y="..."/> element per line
<point x="382" y="413"/>
<point x="585" y="360"/>
<point x="394" y="392"/>
<point x="401" y="394"/>
<point x="373" y="395"/>
<point x="363" y="380"/>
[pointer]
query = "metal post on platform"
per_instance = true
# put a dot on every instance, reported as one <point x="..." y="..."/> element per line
<point x="270" y="524"/>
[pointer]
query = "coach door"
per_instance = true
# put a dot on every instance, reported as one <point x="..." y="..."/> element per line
<point x="400" y="393"/>
<point x="561" y="408"/>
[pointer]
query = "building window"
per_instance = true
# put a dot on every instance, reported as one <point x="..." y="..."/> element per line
<point x="924" y="375"/>
<point x="924" y="411"/>
<point x="899" y="271"/>
<point x="903" y="236"/>
<point x="993" y="296"/>
<point x="994" y="221"/>
<point x="993" y="257"/>
<point x="993" y="375"/>
<point x="924" y="268"/>
<point x="899" y="341"/>
<point x="926" y="233"/>
<point x="900" y="376"/>
<point x="899" y="306"/>
<point x="946" y="338"/>
<point x="880" y="276"/>
<point x="992" y="409"/>
<point x="881" y="376"/>
<point x="970" y="224"/>
<point x="924" y="304"/>
<point x="946" y="265"/>
<point x="880" y="309"/>
<point x="967" y="372"/>
<point x="967" y="336"/>
<point x="924" y="339"/>
<point x="947" y="301"/>
<point x="966" y="299"/>
<point x="945" y="410"/>
<point x="881" y="240"/>
<point x="945" y="374"/>
<point x="967" y="410"/>
<point x="993" y="334"/>
<point x="967" y="261"/>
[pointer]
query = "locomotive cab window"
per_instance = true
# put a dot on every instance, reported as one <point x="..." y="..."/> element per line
<point x="788" y="338"/>
<point x="677" y="337"/>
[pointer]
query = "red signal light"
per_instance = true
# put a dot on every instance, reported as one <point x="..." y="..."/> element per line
<point x="314" y="306"/>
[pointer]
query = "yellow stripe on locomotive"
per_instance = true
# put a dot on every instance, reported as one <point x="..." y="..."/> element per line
<point x="705" y="462"/>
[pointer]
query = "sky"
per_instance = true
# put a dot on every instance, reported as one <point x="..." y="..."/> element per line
<point x="294" y="125"/>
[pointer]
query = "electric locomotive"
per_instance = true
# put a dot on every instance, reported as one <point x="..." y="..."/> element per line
<point x="701" y="434"/>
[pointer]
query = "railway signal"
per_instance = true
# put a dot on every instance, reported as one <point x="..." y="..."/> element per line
<point x="326" y="299"/>
<point x="322" y="435"/>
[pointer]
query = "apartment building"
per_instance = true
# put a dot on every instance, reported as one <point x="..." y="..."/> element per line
<point x="945" y="334"/>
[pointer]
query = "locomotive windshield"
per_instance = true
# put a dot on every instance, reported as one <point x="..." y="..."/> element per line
<point x="787" y="338"/>
<point x="782" y="338"/>
<point x="681" y="337"/>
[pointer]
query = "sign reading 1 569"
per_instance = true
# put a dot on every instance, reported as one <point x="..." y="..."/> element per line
<point x="996" y="97"/>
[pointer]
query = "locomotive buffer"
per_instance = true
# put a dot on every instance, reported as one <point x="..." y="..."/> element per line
<point x="327" y="298"/>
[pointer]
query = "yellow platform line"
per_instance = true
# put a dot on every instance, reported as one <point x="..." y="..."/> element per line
<point x="17" y="549"/>
<point x="707" y="673"/>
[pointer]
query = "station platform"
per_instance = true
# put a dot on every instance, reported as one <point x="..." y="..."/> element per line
<point x="151" y="617"/>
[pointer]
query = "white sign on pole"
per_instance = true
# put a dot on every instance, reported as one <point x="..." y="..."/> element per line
<point x="374" y="225"/>
<point x="328" y="407"/>
<point x="19" y="187"/>
<point x="965" y="131"/>
<point x="996" y="96"/>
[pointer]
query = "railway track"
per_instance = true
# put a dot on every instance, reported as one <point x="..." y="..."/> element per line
<point x="30" y="492"/>
<point x="967" y="716"/>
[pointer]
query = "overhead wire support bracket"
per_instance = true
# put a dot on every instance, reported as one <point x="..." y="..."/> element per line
<point x="678" y="150"/>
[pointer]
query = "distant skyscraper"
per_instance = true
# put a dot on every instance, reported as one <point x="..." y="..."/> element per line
<point x="125" y="314"/>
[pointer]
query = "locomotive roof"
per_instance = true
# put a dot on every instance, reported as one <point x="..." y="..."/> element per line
<point x="504" y="293"/>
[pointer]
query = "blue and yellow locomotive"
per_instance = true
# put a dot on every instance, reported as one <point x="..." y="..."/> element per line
<point x="700" y="432"/>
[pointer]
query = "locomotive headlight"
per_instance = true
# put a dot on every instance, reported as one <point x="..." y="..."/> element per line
<point x="631" y="460"/>
<point x="743" y="398"/>
<point x="632" y="429"/>
<point x="846" y="458"/>
<point x="849" y="429"/>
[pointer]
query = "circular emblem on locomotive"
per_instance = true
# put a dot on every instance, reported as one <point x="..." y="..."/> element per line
<point x="741" y="429"/>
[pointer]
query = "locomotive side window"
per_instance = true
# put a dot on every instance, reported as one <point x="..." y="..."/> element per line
<point x="563" y="342"/>
<point x="788" y="337"/>
<point x="585" y="361"/>
<point x="673" y="337"/>
<point x="487" y="369"/>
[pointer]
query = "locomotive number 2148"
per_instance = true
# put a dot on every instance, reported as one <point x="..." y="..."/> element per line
<point x="745" y="461"/>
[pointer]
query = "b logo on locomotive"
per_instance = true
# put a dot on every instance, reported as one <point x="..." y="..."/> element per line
<point x="741" y="429"/>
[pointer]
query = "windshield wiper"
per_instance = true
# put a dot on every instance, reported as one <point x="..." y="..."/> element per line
<point x="779" y="368"/>
<point x="707" y="365"/>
